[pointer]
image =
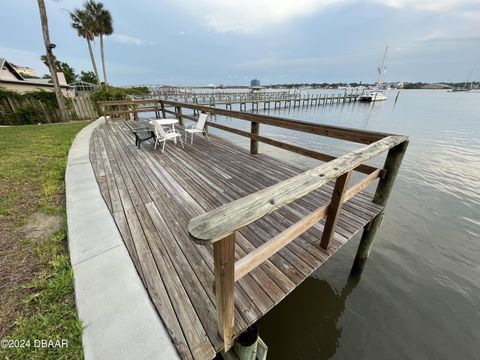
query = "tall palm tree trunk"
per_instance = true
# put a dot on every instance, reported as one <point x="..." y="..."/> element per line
<point x="51" y="60"/>
<point x="103" y="60"/>
<point x="92" y="58"/>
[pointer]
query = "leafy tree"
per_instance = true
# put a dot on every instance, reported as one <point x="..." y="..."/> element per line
<point x="58" y="64"/>
<point x="84" y="24"/>
<point x="102" y="25"/>
<point x="88" y="76"/>
<point x="69" y="73"/>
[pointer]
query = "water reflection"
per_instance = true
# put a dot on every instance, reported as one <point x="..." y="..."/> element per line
<point x="305" y="325"/>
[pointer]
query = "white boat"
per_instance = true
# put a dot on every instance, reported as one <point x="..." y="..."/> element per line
<point x="378" y="93"/>
<point x="373" y="95"/>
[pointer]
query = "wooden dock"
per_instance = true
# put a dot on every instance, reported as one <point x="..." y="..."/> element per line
<point x="219" y="235"/>
<point x="257" y="100"/>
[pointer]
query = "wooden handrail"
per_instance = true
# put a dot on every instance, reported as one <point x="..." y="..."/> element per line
<point x="269" y="248"/>
<point x="254" y="136"/>
<point x="128" y="102"/>
<point x="223" y="221"/>
<point x="343" y="133"/>
<point x="364" y="168"/>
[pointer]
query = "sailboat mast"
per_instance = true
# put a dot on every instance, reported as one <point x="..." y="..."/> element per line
<point x="381" y="69"/>
<point x="468" y="79"/>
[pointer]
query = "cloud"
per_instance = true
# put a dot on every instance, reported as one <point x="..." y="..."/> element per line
<point x="129" y="40"/>
<point x="253" y="16"/>
<point x="248" y="16"/>
<point x="429" y="5"/>
<point x="281" y="62"/>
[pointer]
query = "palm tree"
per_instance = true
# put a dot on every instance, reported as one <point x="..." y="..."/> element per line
<point x="103" y="25"/>
<point x="84" y="24"/>
<point x="51" y="60"/>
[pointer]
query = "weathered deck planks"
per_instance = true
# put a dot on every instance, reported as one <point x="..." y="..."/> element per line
<point x="152" y="197"/>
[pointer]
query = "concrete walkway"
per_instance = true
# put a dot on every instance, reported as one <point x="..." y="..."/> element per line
<point x="119" y="320"/>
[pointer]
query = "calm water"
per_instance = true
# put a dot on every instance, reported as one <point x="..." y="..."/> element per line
<point x="418" y="297"/>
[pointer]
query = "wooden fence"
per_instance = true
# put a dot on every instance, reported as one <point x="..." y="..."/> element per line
<point x="84" y="108"/>
<point x="11" y="106"/>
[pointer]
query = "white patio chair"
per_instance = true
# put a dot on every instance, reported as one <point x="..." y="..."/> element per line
<point x="197" y="128"/>
<point x="162" y="135"/>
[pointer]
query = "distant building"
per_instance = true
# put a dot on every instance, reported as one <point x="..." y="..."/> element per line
<point x="11" y="79"/>
<point x="25" y="71"/>
<point x="255" y="82"/>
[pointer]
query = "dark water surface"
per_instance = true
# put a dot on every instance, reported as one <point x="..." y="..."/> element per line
<point x="418" y="297"/>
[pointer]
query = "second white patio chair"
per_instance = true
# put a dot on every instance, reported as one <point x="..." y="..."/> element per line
<point x="162" y="135"/>
<point x="197" y="128"/>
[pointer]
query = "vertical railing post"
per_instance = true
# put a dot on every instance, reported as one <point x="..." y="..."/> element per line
<point x="205" y="127"/>
<point x="102" y="111"/>
<point x="334" y="209"/>
<point x="179" y="114"/>
<point x="391" y="167"/>
<point x="384" y="188"/>
<point x="224" y="263"/>
<point x="255" y="130"/>
<point x="135" y="112"/>
<point x="162" y="105"/>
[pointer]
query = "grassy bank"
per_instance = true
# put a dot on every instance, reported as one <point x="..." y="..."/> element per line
<point x="36" y="289"/>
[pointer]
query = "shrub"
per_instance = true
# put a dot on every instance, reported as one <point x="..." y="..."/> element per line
<point x="4" y="93"/>
<point x="108" y="93"/>
<point x="137" y="90"/>
<point x="27" y="114"/>
<point x="111" y="93"/>
<point x="47" y="98"/>
<point x="27" y="108"/>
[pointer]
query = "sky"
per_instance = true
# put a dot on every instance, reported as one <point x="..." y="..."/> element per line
<point x="200" y="42"/>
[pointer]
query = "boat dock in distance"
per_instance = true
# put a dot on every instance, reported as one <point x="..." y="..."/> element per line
<point x="219" y="234"/>
<point x="267" y="99"/>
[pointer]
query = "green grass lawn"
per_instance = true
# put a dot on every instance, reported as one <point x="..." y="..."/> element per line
<point x="36" y="285"/>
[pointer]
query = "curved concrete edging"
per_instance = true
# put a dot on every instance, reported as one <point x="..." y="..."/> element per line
<point x="119" y="319"/>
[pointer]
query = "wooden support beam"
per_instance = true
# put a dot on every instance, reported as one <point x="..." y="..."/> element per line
<point x="179" y="115"/>
<point x="334" y="209"/>
<point x="366" y="243"/>
<point x="362" y="184"/>
<point x="391" y="166"/>
<point x="255" y="130"/>
<point x="224" y="261"/>
<point x="263" y="252"/>
<point x="162" y="105"/>
<point x="384" y="188"/>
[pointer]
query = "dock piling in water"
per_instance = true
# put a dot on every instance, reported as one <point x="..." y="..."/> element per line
<point x="384" y="188"/>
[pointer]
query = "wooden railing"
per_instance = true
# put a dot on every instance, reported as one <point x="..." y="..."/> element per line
<point x="162" y="109"/>
<point x="219" y="226"/>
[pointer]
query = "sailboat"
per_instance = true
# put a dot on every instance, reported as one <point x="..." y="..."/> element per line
<point x="377" y="93"/>
<point x="465" y="88"/>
